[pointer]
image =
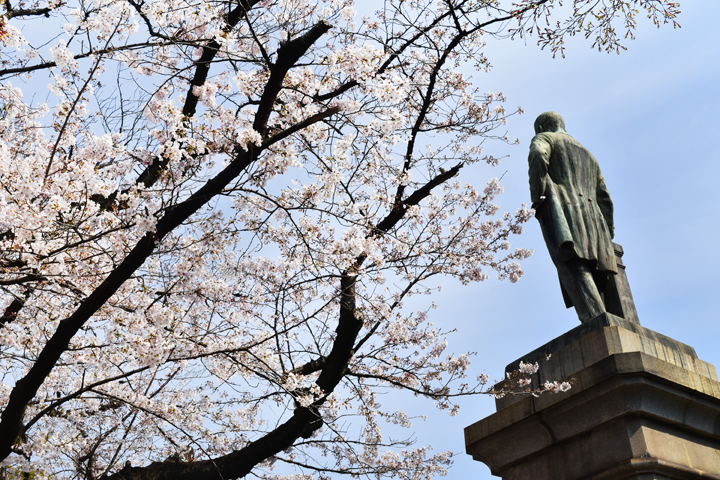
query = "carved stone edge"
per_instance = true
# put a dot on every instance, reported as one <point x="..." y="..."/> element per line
<point x="618" y="372"/>
<point x="651" y="465"/>
<point x="597" y="323"/>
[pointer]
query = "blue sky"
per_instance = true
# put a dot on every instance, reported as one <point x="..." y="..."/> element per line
<point x="650" y="117"/>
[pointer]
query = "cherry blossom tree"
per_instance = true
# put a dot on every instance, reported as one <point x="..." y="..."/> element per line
<point x="212" y="222"/>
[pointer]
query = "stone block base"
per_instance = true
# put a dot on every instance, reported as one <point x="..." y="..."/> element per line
<point x="642" y="407"/>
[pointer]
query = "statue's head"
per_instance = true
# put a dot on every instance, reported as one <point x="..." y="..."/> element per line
<point x="549" y="122"/>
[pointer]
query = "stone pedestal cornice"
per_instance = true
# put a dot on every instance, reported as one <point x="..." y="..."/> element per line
<point x="642" y="406"/>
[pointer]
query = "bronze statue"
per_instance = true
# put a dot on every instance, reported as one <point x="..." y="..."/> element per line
<point x="575" y="212"/>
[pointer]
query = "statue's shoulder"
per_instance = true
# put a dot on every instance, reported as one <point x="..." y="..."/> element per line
<point x="544" y="137"/>
<point x="563" y="140"/>
<point x="570" y="140"/>
<point x="566" y="137"/>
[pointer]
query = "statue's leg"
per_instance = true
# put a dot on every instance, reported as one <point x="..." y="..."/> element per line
<point x="577" y="277"/>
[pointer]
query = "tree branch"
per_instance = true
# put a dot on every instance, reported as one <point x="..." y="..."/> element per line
<point x="300" y="125"/>
<point x="287" y="55"/>
<point x="29" y="12"/>
<point x="25" y="279"/>
<point x="417" y="196"/>
<point x="152" y="172"/>
<point x="310" y="367"/>
<point x="305" y="420"/>
<point x="12" y="310"/>
<point x="26" y="388"/>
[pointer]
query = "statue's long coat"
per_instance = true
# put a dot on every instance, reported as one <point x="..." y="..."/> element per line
<point x="576" y="213"/>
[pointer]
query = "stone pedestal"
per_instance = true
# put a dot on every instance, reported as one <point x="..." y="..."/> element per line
<point x="642" y="406"/>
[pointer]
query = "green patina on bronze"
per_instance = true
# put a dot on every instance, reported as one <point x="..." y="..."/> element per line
<point x="574" y="208"/>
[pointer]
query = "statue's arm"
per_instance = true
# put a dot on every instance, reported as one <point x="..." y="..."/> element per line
<point x="605" y="203"/>
<point x="539" y="159"/>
